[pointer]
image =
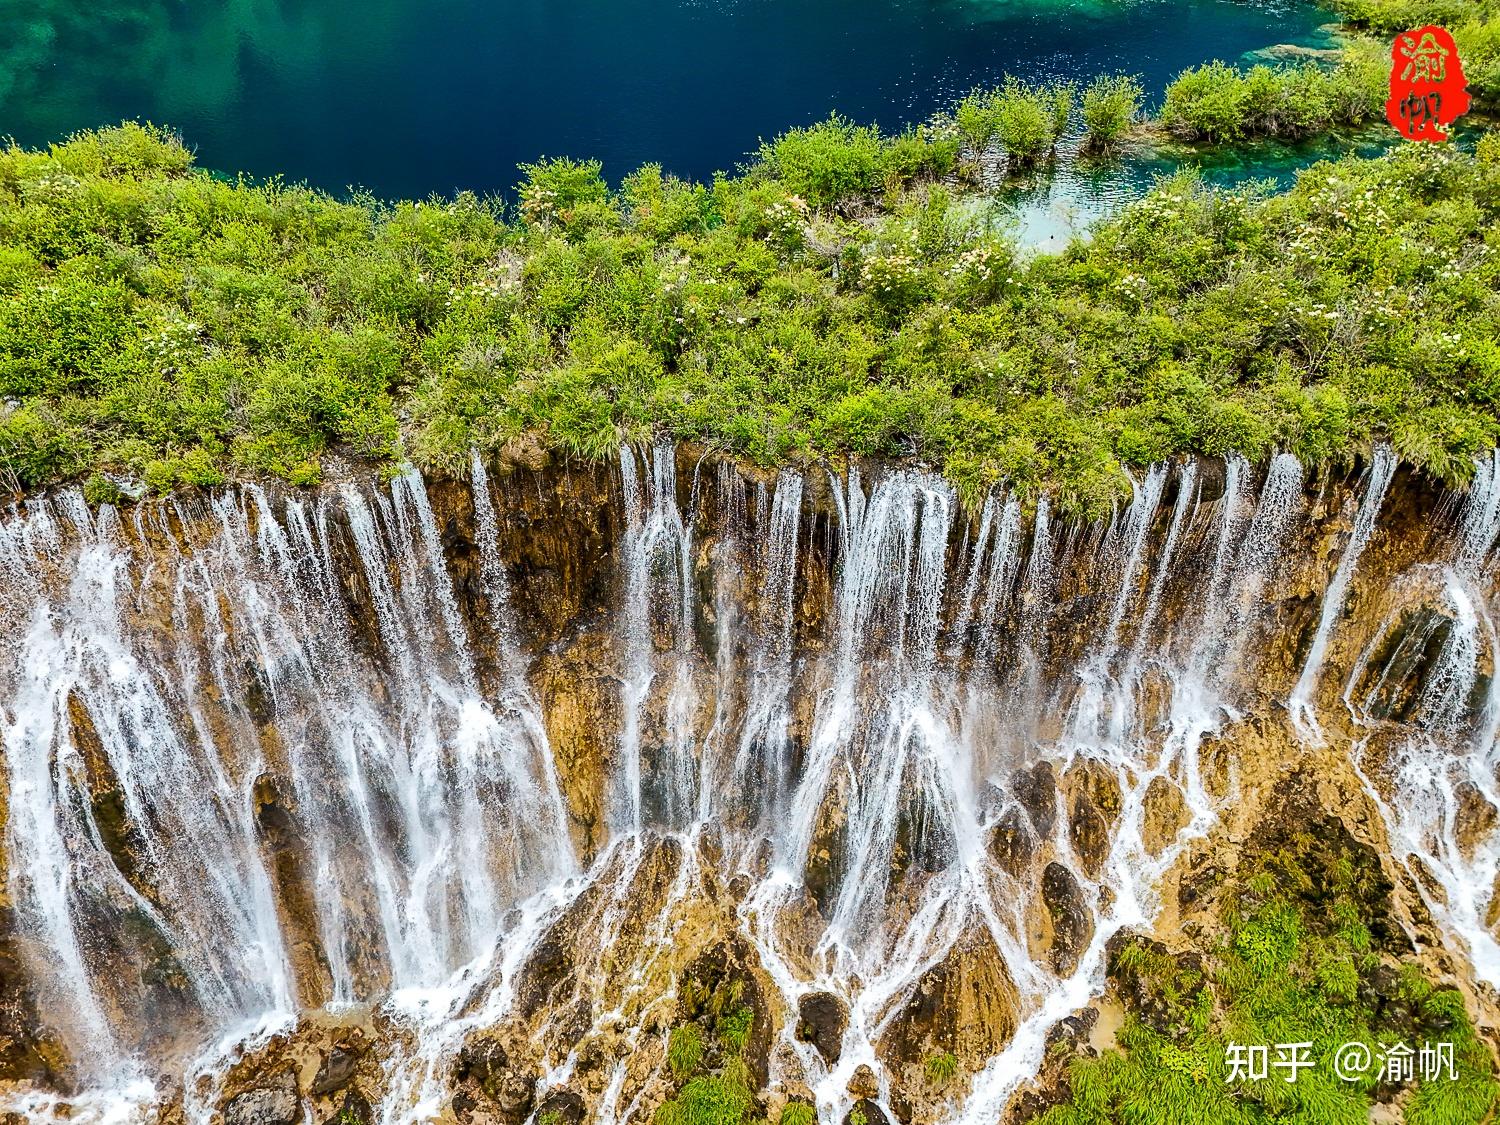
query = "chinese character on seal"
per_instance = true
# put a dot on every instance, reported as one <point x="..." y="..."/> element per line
<point x="1427" y="84"/>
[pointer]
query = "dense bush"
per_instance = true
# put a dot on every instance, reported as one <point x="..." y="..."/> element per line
<point x="1026" y="120"/>
<point x="1219" y="103"/>
<point x="163" y="325"/>
<point x="1110" y="105"/>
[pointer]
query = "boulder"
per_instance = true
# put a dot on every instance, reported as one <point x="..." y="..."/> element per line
<point x="1072" y="923"/>
<point x="1012" y="843"/>
<point x="561" y="1107"/>
<point x="266" y="1105"/>
<point x="863" y="1083"/>
<point x="336" y="1072"/>
<point x="821" y="1021"/>
<point x="866" y="1112"/>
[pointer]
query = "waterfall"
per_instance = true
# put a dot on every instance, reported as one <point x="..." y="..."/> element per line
<point x="281" y="752"/>
<point x="1435" y="785"/>
<point x="1300" y="704"/>
<point x="658" y="567"/>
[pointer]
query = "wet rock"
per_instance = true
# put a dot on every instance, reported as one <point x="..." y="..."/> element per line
<point x="283" y="839"/>
<point x="336" y="1072"/>
<point x="1165" y="814"/>
<point x="863" y="1083"/>
<point x="821" y="1021"/>
<point x="580" y="699"/>
<point x="1035" y="787"/>
<point x="266" y="1105"/>
<point x="545" y="972"/>
<point x="866" y="1112"/>
<point x="1390" y="682"/>
<point x="964" y="1006"/>
<point x="823" y="872"/>
<point x="1074" y="1031"/>
<point x="514" y="1096"/>
<point x="1088" y="832"/>
<point x="28" y="1051"/>
<point x="1475" y="818"/>
<point x="1072" y="924"/>
<point x="354" y="1110"/>
<point x="1095" y="805"/>
<point x="507" y="1087"/>
<point x="561" y="1107"/>
<point x="1012" y="843"/>
<point x="482" y="1059"/>
<point x="1067" y="1041"/>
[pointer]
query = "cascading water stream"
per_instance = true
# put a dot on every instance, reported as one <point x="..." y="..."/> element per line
<point x="1435" y="783"/>
<point x="259" y="725"/>
<point x="1303" y="711"/>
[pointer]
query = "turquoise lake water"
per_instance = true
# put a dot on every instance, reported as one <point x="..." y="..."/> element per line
<point x="409" y="97"/>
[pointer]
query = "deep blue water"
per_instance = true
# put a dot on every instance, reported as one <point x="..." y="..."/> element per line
<point x="409" y="97"/>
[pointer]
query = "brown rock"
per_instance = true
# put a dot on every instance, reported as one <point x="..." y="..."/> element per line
<point x="561" y="1107"/>
<point x="266" y="1105"/>
<point x="1012" y="843"/>
<point x="1165" y="814"/>
<point x="1072" y="923"/>
<point x="822" y="1020"/>
<point x="866" y="1112"/>
<point x="1036" y="789"/>
<point x="336" y="1072"/>
<point x="863" y="1083"/>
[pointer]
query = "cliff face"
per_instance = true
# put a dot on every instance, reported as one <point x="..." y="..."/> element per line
<point x="460" y="800"/>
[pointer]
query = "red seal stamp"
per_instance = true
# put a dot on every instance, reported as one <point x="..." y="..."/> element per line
<point x="1427" y="84"/>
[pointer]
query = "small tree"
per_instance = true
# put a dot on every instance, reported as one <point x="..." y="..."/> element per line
<point x="1110" y="106"/>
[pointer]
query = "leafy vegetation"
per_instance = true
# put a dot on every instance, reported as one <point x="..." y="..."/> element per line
<point x="685" y="1049"/>
<point x="1219" y="104"/>
<point x="1026" y="120"/>
<point x="1307" y="957"/>
<point x="798" y="1113"/>
<point x="1110" y="106"/>
<point x="161" y="328"/>
<point x="721" y="1095"/>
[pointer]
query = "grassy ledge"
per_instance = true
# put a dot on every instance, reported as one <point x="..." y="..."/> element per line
<point x="1304" y="949"/>
<point x="846" y="293"/>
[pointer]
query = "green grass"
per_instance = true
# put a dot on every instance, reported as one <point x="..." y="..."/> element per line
<point x="845" y="294"/>
<point x="941" y="1068"/>
<point x="1296" y="964"/>
<point x="685" y="1049"/>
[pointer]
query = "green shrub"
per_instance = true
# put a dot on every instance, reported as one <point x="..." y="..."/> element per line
<point x="1220" y="104"/>
<point x="798" y="1113"/>
<point x="721" y="1100"/>
<point x="734" y="1028"/>
<point x="917" y="154"/>
<point x="1026" y="120"/>
<point x="554" y="189"/>
<point x="827" y="162"/>
<point x="1109" y="105"/>
<point x="99" y="489"/>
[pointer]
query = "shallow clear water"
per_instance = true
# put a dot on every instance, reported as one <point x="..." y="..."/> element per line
<point x="1043" y="211"/>
<point x="407" y="98"/>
